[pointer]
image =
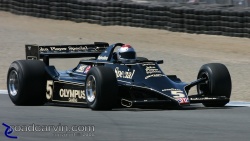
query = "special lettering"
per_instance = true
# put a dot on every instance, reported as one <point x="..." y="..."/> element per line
<point x="124" y="74"/>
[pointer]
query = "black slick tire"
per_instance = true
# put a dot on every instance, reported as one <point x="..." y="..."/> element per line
<point x="101" y="88"/>
<point x="218" y="84"/>
<point x="26" y="82"/>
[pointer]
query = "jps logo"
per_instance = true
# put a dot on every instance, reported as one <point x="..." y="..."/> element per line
<point x="124" y="74"/>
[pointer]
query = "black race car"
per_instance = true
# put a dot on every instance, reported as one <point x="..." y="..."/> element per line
<point x="103" y="82"/>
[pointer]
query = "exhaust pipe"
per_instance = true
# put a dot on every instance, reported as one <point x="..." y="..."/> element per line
<point x="126" y="103"/>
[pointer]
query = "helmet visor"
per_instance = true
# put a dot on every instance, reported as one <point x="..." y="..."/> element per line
<point x="127" y="55"/>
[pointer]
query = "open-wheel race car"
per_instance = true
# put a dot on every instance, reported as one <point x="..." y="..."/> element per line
<point x="112" y="76"/>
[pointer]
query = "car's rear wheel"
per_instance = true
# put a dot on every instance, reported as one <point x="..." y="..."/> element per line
<point x="218" y="83"/>
<point x="101" y="88"/>
<point x="26" y="82"/>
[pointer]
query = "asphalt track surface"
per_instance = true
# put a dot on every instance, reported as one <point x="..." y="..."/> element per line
<point x="193" y="123"/>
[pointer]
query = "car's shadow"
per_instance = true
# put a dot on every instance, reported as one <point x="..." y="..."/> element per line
<point x="192" y="107"/>
<point x="177" y="108"/>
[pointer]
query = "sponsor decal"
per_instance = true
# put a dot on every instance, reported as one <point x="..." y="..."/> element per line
<point x="87" y="69"/>
<point x="73" y="95"/>
<point x="172" y="89"/>
<point x="64" y="91"/>
<point x="65" y="49"/>
<point x="154" y="75"/>
<point x="58" y="49"/>
<point x="203" y="98"/>
<point x="43" y="49"/>
<point x="102" y="58"/>
<point x="183" y="100"/>
<point x="152" y="69"/>
<point x="78" y="48"/>
<point x="148" y="64"/>
<point x="81" y="68"/>
<point x="124" y="74"/>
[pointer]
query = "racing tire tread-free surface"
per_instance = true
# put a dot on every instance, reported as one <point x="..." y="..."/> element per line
<point x="106" y="88"/>
<point x="30" y="82"/>
<point x="218" y="84"/>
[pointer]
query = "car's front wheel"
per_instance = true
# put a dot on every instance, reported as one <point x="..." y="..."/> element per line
<point x="101" y="88"/>
<point x="218" y="83"/>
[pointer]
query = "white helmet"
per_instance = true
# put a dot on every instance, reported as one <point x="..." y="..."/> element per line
<point x="126" y="52"/>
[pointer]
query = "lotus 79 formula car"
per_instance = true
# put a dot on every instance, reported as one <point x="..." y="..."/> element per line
<point x="103" y="82"/>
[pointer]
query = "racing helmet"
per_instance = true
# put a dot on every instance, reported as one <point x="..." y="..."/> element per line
<point x="126" y="52"/>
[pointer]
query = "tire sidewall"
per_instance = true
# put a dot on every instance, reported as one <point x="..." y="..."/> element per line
<point x="98" y="80"/>
<point x="32" y="82"/>
<point x="219" y="82"/>
<point x="218" y="78"/>
<point x="20" y="94"/>
<point x="106" y="88"/>
<point x="93" y="103"/>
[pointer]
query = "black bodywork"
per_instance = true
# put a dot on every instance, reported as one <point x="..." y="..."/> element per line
<point x="141" y="82"/>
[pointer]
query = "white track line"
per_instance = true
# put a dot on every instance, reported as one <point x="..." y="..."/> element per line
<point x="239" y="103"/>
<point x="232" y="103"/>
<point x="3" y="92"/>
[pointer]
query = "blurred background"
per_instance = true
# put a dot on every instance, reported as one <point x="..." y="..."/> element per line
<point x="230" y="2"/>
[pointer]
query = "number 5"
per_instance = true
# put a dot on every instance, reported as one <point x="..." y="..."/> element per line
<point x="49" y="89"/>
<point x="177" y="94"/>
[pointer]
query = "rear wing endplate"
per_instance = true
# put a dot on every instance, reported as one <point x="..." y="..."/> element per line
<point x="36" y="52"/>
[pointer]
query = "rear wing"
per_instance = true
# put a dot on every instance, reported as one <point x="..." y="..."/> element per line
<point x="36" y="52"/>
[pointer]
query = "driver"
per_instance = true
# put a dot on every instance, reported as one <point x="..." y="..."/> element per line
<point x="126" y="52"/>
